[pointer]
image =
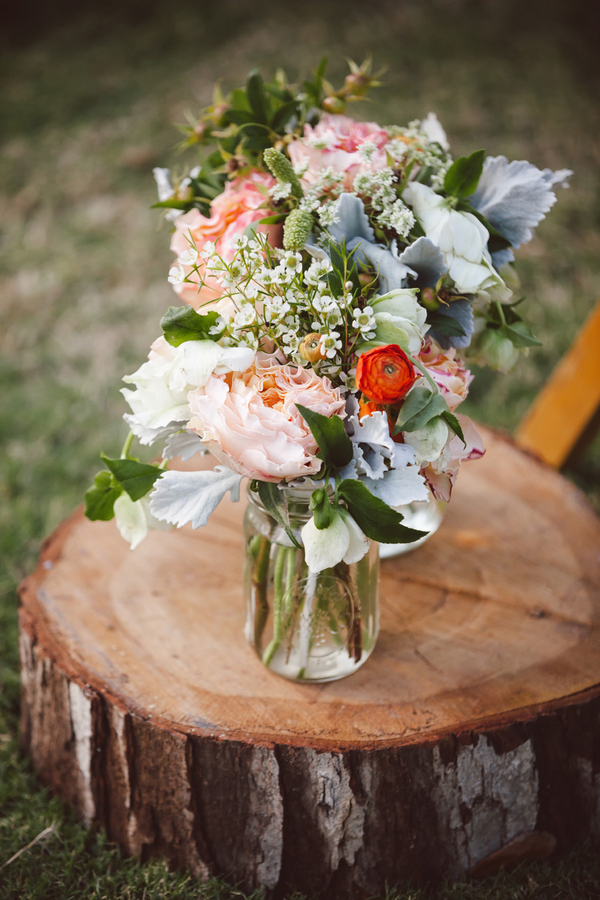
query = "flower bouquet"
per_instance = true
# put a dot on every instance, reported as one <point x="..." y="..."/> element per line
<point x="335" y="277"/>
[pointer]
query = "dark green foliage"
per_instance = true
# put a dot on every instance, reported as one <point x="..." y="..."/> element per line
<point x="463" y="175"/>
<point x="335" y="447"/>
<point x="183" y="323"/>
<point x="376" y="519"/>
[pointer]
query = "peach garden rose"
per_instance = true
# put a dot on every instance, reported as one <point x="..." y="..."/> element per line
<point x="249" y="420"/>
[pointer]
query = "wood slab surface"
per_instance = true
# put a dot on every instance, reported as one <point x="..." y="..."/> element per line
<point x="136" y="672"/>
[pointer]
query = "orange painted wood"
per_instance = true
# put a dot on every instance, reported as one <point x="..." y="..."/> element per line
<point x="568" y="401"/>
<point x="476" y="719"/>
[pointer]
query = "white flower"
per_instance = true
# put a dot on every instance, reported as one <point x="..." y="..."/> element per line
<point x="245" y="316"/>
<point x="399" y="486"/>
<point x="366" y="150"/>
<point x="134" y="519"/>
<point x="163" y="183"/>
<point x="432" y="129"/>
<point x="330" y="344"/>
<point x="341" y="541"/>
<point x="176" y="275"/>
<point x="189" y="257"/>
<point x="281" y="190"/>
<point x="400" y="319"/>
<point x="428" y="442"/>
<point x="160" y="395"/>
<point x="302" y="167"/>
<point x="460" y="236"/>
<point x="364" y="321"/>
<point x="207" y="250"/>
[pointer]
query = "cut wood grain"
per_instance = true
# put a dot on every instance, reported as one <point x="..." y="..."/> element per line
<point x="476" y="719"/>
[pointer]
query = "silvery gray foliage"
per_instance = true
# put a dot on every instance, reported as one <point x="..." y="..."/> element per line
<point x="462" y="312"/>
<point x="181" y="497"/>
<point x="516" y="196"/>
<point x="352" y="228"/>
<point x="184" y="444"/>
<point x="426" y="259"/>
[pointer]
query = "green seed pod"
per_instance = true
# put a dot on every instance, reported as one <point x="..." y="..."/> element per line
<point x="498" y="351"/>
<point x="297" y="229"/>
<point x="283" y="171"/>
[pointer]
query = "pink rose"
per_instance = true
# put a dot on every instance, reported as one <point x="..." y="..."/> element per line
<point x="334" y="143"/>
<point x="240" y="204"/>
<point x="441" y="474"/>
<point x="448" y="372"/>
<point x="250" y="422"/>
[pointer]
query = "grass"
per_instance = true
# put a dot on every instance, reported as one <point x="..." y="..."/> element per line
<point x="85" y="113"/>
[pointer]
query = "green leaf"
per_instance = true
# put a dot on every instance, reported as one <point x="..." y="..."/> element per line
<point x="520" y="334"/>
<point x="335" y="447"/>
<point x="445" y="324"/>
<point x="453" y="423"/>
<point x="273" y="501"/>
<point x="273" y="220"/>
<point x="256" y="96"/>
<point x="135" y="477"/>
<point x="239" y="99"/>
<point x="171" y="204"/>
<point x="376" y="519"/>
<point x="435" y="406"/>
<point x="183" y="323"/>
<point x="463" y="175"/>
<point x="239" y="116"/>
<point x="100" y="498"/>
<point x="414" y="402"/>
<point x="424" y="174"/>
<point x="283" y="115"/>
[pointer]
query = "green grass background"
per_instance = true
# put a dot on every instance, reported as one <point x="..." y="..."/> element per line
<point x="87" y="100"/>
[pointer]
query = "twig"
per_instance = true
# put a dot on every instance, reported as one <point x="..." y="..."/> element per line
<point x="47" y="831"/>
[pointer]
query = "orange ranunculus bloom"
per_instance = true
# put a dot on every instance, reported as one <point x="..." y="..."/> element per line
<point x="385" y="374"/>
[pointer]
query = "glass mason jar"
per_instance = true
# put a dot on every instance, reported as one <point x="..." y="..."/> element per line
<point x="304" y="626"/>
<point x="422" y="515"/>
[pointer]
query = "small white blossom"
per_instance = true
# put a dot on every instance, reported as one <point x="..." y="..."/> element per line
<point x="328" y="213"/>
<point x="207" y="250"/>
<point x="364" y="321"/>
<point x="330" y="344"/>
<point x="176" y="275"/>
<point x="189" y="257"/>
<point x="245" y="316"/>
<point x="366" y="150"/>
<point x="302" y="167"/>
<point x="219" y="326"/>
<point x="281" y="191"/>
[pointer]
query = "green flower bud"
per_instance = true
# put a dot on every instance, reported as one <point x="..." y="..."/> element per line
<point x="282" y="169"/>
<point x="297" y="229"/>
<point x="429" y="299"/>
<point x="498" y="351"/>
<point x="334" y="105"/>
<point x="321" y="507"/>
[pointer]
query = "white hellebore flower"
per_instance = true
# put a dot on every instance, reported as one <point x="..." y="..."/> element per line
<point x="399" y="319"/>
<point x="134" y="519"/>
<point x="460" y="236"/>
<point x="342" y="540"/>
<point x="428" y="442"/>
<point x="434" y="132"/>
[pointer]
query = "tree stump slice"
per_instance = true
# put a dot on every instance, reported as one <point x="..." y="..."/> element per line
<point x="475" y="722"/>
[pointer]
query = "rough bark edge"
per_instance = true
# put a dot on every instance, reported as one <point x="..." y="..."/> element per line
<point x="333" y="823"/>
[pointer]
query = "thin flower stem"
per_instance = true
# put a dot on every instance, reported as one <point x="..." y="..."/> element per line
<point x="424" y="371"/>
<point x="278" y="597"/>
<point x="127" y="445"/>
<point x="260" y="576"/>
<point x="305" y="618"/>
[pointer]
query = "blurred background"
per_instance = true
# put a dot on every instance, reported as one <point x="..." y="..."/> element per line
<point x="89" y="95"/>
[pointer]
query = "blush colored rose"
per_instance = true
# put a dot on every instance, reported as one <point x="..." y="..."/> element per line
<point x="240" y="204"/>
<point x="448" y="372"/>
<point x="250" y="422"/>
<point x="385" y="374"/>
<point x="334" y="143"/>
